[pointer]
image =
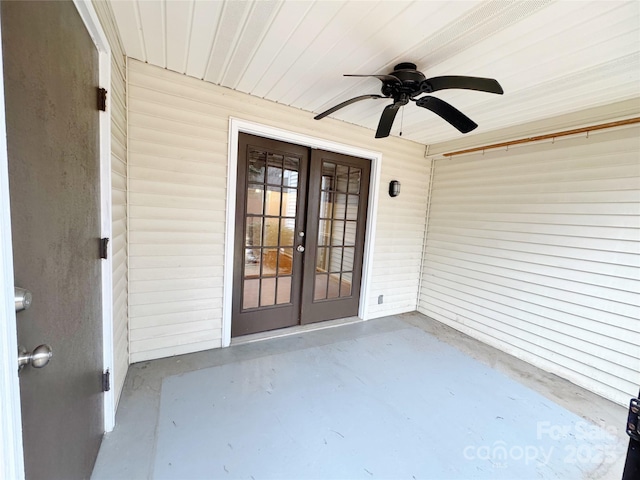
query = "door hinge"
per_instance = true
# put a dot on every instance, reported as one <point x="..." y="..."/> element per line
<point x="104" y="242"/>
<point x="633" y="422"/>
<point x="106" y="381"/>
<point x="102" y="99"/>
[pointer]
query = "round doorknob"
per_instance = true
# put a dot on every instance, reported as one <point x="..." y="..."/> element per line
<point x="300" y="248"/>
<point x="39" y="358"/>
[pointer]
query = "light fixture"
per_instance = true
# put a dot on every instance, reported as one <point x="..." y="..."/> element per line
<point x="394" y="188"/>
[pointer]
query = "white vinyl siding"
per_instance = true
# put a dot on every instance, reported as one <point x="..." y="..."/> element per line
<point x="178" y="135"/>
<point x="536" y="251"/>
<point x="118" y="196"/>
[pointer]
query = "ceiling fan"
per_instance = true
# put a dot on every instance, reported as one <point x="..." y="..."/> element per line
<point x="406" y="83"/>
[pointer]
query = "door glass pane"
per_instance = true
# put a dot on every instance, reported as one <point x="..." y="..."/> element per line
<point x="255" y="199"/>
<point x="250" y="293"/>
<point x="269" y="262"/>
<point x="272" y="201"/>
<point x="337" y="235"/>
<point x="267" y="292"/>
<point x="271" y="228"/>
<point x="354" y="180"/>
<point x="328" y="176"/>
<point x="350" y="233"/>
<point x="335" y="259"/>
<point x="342" y="178"/>
<point x="322" y="260"/>
<point x="274" y="169"/>
<point x="257" y="163"/>
<point x="339" y="206"/>
<point x="324" y="232"/>
<point x="287" y="231"/>
<point x="320" y="291"/>
<point x="352" y="207"/>
<point x="326" y="205"/>
<point x="289" y="202"/>
<point x="253" y="234"/>
<point x="345" y="286"/>
<point x="333" y="289"/>
<point x="284" y="290"/>
<point x="252" y="262"/>
<point x="291" y="167"/>
<point x="285" y="261"/>
<point x="347" y="259"/>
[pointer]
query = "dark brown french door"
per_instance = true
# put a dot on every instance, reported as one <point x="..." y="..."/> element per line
<point x="300" y="229"/>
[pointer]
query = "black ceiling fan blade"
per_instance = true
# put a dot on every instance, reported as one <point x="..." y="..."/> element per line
<point x="386" y="120"/>
<point x="449" y="113"/>
<point x="489" y="85"/>
<point x="344" y="104"/>
<point x="382" y="78"/>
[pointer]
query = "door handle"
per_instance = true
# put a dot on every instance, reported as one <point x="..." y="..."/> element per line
<point x="39" y="358"/>
<point x="300" y="248"/>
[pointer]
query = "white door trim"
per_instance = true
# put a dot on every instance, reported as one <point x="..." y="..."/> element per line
<point x="11" y="453"/>
<point x="91" y="21"/>
<point x="236" y="126"/>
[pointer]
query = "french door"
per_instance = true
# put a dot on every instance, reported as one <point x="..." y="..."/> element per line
<point x="300" y="230"/>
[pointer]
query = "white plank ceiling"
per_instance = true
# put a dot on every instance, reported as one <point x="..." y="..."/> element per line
<point x="550" y="57"/>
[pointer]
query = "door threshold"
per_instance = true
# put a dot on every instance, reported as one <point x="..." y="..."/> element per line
<point x="285" y="332"/>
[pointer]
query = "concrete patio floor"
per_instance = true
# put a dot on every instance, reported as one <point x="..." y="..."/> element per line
<point x="398" y="397"/>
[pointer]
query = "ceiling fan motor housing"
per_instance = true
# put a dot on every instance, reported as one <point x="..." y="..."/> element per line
<point x="410" y="78"/>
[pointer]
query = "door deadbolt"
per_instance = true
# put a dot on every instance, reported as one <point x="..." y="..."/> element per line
<point x="22" y="298"/>
<point x="300" y="248"/>
<point x="39" y="358"/>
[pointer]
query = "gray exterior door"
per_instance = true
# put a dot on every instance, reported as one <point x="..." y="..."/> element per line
<point x="51" y="76"/>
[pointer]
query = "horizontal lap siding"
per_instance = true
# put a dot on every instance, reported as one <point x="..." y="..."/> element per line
<point x="118" y="196"/>
<point x="178" y="134"/>
<point x="536" y="251"/>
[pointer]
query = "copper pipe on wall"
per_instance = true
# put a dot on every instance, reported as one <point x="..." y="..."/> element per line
<point x="602" y="126"/>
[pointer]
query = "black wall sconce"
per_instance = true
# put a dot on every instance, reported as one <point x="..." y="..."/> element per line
<point x="394" y="188"/>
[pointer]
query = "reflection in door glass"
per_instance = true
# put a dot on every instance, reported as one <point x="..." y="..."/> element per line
<point x="271" y="228"/>
<point x="324" y="232"/>
<point x="342" y="178"/>
<point x="255" y="199"/>
<point x="354" y="180"/>
<point x="337" y="233"/>
<point x="267" y="292"/>
<point x="337" y="230"/>
<point x="250" y="293"/>
<point x="253" y="236"/>
<point x="269" y="262"/>
<point x="285" y="261"/>
<point x="257" y="162"/>
<point x="272" y="201"/>
<point x="350" y="233"/>
<point x="291" y="166"/>
<point x="274" y="169"/>
<point x="328" y="176"/>
<point x="252" y="263"/>
<point x="284" y="290"/>
<point x="345" y="285"/>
